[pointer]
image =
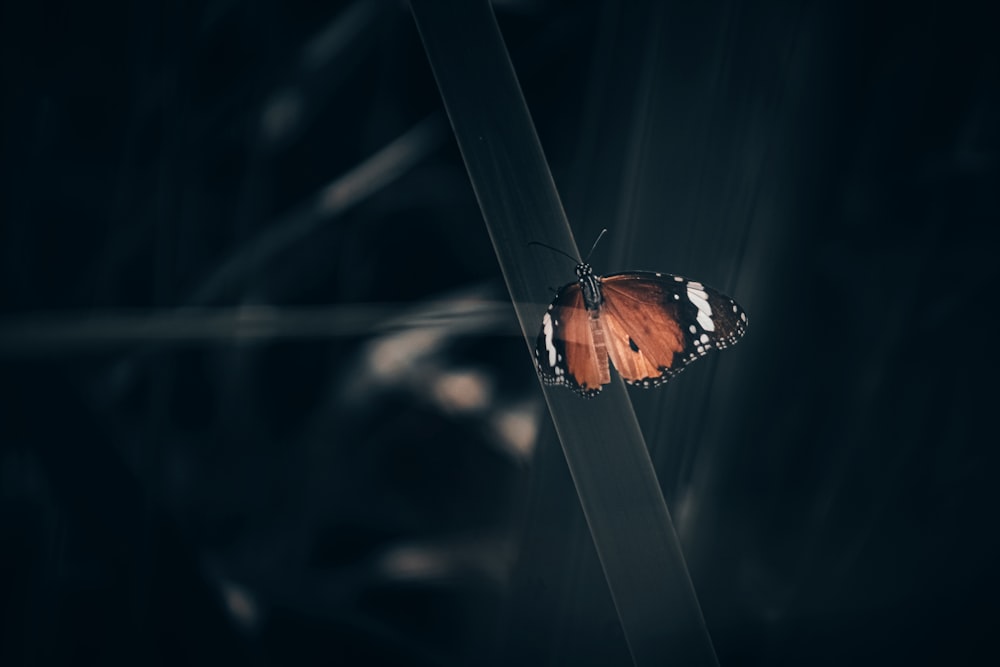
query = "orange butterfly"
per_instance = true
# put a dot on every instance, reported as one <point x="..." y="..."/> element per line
<point x="651" y="325"/>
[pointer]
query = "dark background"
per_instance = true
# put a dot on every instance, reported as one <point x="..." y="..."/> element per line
<point x="330" y="473"/>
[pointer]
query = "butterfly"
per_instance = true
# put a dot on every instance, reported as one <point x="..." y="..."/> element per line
<point x="651" y="325"/>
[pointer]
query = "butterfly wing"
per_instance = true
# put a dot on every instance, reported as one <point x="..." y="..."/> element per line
<point x="656" y="324"/>
<point x="570" y="348"/>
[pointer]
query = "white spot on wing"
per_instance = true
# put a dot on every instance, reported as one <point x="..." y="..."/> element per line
<point x="697" y="295"/>
<point x="697" y="290"/>
<point x="549" y="344"/>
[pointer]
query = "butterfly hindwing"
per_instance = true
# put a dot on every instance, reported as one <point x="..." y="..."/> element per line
<point x="570" y="348"/>
<point x="656" y="324"/>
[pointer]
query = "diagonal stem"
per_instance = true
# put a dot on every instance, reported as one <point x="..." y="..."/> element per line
<point x="604" y="448"/>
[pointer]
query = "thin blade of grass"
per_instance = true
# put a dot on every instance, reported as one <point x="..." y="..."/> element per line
<point x="383" y="167"/>
<point x="603" y="445"/>
<point x="61" y="334"/>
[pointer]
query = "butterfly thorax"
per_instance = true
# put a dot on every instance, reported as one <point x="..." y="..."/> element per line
<point x="591" y="287"/>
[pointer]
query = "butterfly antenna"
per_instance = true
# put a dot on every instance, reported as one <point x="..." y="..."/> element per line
<point x="564" y="254"/>
<point x="599" y="237"/>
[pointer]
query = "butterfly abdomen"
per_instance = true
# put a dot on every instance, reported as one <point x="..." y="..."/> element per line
<point x="600" y="348"/>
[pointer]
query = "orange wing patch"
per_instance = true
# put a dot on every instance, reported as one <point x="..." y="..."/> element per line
<point x="586" y="355"/>
<point x="643" y="340"/>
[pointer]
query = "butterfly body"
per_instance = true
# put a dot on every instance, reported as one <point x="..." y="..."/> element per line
<point x="651" y="325"/>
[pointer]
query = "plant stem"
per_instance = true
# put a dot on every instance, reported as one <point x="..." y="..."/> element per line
<point x="603" y="445"/>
